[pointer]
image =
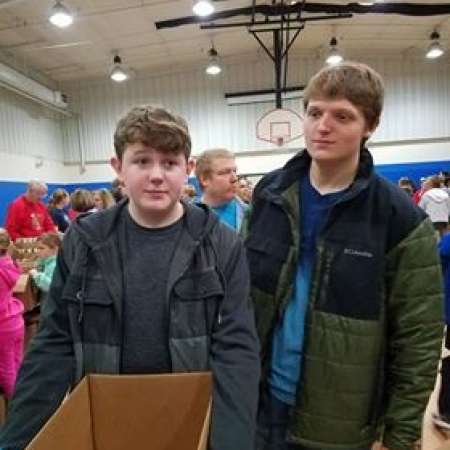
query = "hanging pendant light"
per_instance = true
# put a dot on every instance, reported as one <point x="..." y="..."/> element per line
<point x="435" y="49"/>
<point x="60" y="16"/>
<point x="118" y="73"/>
<point x="213" y="67"/>
<point x="203" y="8"/>
<point x="334" y="56"/>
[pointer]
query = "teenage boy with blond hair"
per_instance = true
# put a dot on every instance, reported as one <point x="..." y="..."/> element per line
<point x="216" y="172"/>
<point x="346" y="286"/>
<point x="173" y="288"/>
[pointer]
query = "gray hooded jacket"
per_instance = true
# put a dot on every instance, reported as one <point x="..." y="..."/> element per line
<point x="211" y="324"/>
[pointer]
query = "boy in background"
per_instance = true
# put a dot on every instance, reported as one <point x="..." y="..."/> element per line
<point x="216" y="172"/>
<point x="151" y="285"/>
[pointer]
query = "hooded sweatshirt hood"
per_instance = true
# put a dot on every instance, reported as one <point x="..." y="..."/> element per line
<point x="9" y="274"/>
<point x="436" y="203"/>
<point x="437" y="195"/>
<point x="97" y="228"/>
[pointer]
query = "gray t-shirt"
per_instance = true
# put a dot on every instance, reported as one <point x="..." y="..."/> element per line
<point x="147" y="256"/>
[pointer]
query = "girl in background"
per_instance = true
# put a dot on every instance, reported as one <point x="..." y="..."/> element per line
<point x="103" y="199"/>
<point x="48" y="246"/>
<point x="57" y="207"/>
<point x="11" y="319"/>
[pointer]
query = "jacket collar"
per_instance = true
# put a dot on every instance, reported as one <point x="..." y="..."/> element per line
<point x="278" y="182"/>
<point x="96" y="229"/>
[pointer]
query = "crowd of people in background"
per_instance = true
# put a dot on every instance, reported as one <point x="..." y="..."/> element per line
<point x="433" y="196"/>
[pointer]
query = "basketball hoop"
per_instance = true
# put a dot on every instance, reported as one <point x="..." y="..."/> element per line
<point x="279" y="126"/>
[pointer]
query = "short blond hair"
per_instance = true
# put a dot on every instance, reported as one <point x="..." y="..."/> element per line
<point x="204" y="162"/>
<point x="106" y="197"/>
<point x="353" y="81"/>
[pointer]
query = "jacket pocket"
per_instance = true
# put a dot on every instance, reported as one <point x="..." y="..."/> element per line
<point x="93" y="308"/>
<point x="350" y="281"/>
<point x="266" y="257"/>
<point x="195" y="305"/>
<point x="194" y="313"/>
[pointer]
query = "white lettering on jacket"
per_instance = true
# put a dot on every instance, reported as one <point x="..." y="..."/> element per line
<point x="351" y="251"/>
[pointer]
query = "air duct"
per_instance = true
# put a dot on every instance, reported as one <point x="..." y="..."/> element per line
<point x="20" y="84"/>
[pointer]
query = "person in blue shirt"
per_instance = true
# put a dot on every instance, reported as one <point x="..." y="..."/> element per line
<point x="217" y="174"/>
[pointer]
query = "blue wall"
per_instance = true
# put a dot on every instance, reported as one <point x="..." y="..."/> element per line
<point x="9" y="190"/>
<point x="414" y="171"/>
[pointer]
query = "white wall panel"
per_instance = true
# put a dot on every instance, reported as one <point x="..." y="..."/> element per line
<point x="24" y="168"/>
<point x="27" y="128"/>
<point x="417" y="103"/>
<point x="259" y="162"/>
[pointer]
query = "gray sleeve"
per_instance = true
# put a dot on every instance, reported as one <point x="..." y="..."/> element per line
<point x="235" y="361"/>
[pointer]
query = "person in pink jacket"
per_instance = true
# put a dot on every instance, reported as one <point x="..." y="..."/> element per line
<point x="11" y="319"/>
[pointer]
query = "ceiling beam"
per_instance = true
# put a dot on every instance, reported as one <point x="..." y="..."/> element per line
<point x="406" y="9"/>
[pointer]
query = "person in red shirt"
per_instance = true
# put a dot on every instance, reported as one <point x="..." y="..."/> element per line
<point x="27" y="215"/>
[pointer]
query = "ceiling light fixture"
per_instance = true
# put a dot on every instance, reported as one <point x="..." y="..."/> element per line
<point x="118" y="73"/>
<point x="203" y="8"/>
<point x="60" y="16"/>
<point x="213" y="67"/>
<point x="435" y="50"/>
<point x="334" y="57"/>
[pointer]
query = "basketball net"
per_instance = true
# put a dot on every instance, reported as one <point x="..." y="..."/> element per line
<point x="280" y="141"/>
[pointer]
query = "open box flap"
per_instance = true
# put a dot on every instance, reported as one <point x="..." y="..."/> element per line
<point x="70" y="427"/>
<point x="163" y="412"/>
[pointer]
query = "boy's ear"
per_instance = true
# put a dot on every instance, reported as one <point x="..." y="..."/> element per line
<point x="203" y="180"/>
<point x="116" y="164"/>
<point x="371" y="129"/>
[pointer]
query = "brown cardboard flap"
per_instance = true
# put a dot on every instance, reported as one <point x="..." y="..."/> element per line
<point x="151" y="412"/>
<point x="70" y="427"/>
<point x="203" y="442"/>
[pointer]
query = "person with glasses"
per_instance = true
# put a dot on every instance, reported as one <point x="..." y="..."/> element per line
<point x="217" y="174"/>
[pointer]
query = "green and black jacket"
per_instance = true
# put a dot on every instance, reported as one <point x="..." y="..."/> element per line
<point x="373" y="327"/>
<point x="211" y="324"/>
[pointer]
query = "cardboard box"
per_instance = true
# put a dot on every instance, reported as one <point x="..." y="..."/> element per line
<point x="26" y="291"/>
<point x="131" y="412"/>
<point x="2" y="407"/>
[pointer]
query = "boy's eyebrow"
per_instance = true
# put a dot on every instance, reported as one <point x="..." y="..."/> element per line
<point x="335" y="110"/>
<point x="344" y="110"/>
<point x="147" y="151"/>
<point x="140" y="152"/>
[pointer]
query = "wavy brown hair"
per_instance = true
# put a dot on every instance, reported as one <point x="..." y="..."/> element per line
<point x="155" y="127"/>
